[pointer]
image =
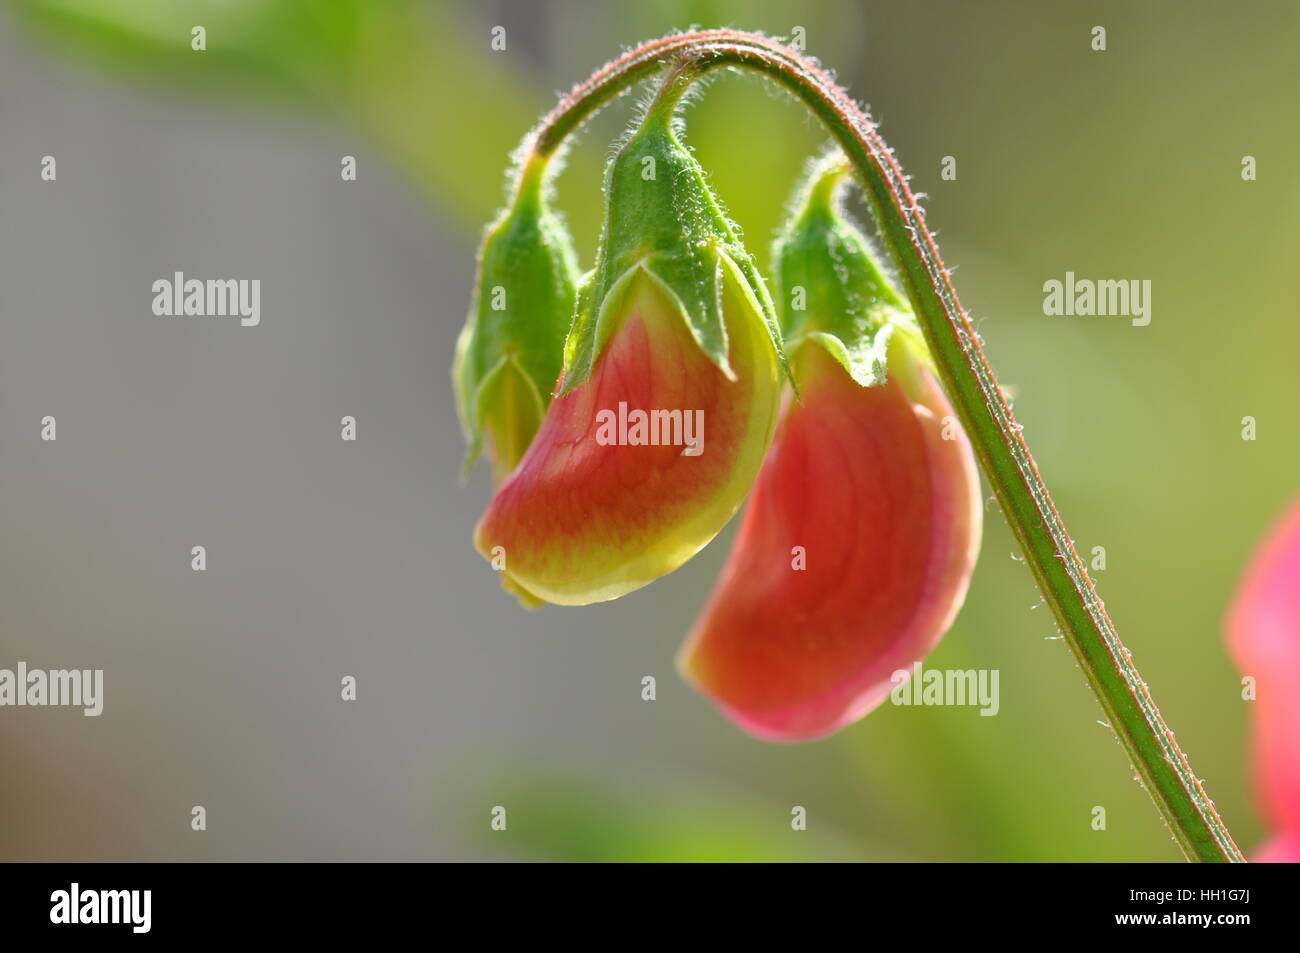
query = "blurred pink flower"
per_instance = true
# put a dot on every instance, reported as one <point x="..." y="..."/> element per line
<point x="1264" y="639"/>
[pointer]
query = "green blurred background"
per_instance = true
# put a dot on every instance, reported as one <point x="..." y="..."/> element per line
<point x="1117" y="164"/>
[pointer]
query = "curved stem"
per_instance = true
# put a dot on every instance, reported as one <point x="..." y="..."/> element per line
<point x="1161" y="765"/>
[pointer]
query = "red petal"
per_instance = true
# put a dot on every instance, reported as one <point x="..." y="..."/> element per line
<point x="583" y="522"/>
<point x="889" y="514"/>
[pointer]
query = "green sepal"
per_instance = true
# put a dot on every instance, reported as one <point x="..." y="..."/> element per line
<point x="661" y="216"/>
<point x="523" y="302"/>
<point x="510" y="408"/>
<point x="830" y="288"/>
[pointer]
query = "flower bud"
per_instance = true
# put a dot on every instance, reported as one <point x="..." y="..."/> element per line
<point x="860" y="538"/>
<point x="509" y="353"/>
<point x="1264" y="639"/>
<point x="670" y="392"/>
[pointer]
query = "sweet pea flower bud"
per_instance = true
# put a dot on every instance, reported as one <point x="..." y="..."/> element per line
<point x="671" y="388"/>
<point x="858" y="544"/>
<point x="509" y="353"/>
<point x="1264" y="639"/>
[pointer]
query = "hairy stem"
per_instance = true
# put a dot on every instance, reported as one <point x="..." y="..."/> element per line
<point x="1161" y="765"/>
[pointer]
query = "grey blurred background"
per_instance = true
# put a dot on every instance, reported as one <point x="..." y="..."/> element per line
<point x="328" y="559"/>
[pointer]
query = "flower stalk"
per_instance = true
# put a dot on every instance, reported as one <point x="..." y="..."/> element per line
<point x="972" y="387"/>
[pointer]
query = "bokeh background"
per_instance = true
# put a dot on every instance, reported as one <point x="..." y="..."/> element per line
<point x="329" y="558"/>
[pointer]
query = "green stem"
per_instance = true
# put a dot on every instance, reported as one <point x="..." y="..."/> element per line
<point x="1161" y="766"/>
